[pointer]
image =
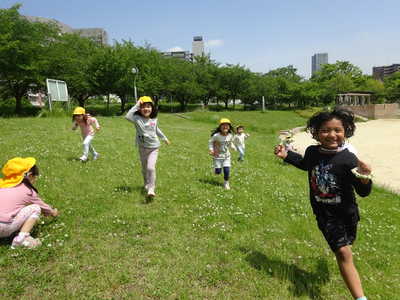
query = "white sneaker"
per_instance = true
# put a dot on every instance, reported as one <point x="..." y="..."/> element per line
<point x="27" y="241"/>
<point x="151" y="193"/>
<point x="226" y="185"/>
<point x="83" y="158"/>
<point x="96" y="156"/>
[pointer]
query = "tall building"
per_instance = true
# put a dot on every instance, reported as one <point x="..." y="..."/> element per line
<point x="317" y="60"/>
<point x="384" y="71"/>
<point x="198" y="46"/>
<point x="99" y="35"/>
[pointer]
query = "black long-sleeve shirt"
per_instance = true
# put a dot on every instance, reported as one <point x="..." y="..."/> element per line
<point x="331" y="181"/>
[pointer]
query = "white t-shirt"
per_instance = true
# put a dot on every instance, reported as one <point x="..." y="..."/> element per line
<point x="220" y="144"/>
<point x="238" y="140"/>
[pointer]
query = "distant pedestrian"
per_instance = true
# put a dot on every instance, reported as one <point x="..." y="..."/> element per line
<point x="86" y="122"/>
<point x="334" y="173"/>
<point x="239" y="141"/>
<point x="219" y="144"/>
<point x="144" y="116"/>
<point x="20" y="205"/>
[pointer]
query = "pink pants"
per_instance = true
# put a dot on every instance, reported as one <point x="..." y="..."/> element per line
<point x="148" y="158"/>
<point x="30" y="211"/>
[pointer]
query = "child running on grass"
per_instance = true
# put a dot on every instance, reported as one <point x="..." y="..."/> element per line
<point x="218" y="146"/>
<point x="334" y="173"/>
<point x="239" y="141"/>
<point x="20" y="205"/>
<point x="85" y="122"/>
<point x="144" y="116"/>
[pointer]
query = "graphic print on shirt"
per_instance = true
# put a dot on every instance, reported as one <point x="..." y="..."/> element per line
<point x="221" y="146"/>
<point x="149" y="126"/>
<point x="324" y="184"/>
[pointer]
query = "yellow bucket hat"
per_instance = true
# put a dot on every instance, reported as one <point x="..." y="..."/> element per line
<point x="145" y="99"/>
<point x="224" y="121"/>
<point x="79" y="111"/>
<point x="14" y="171"/>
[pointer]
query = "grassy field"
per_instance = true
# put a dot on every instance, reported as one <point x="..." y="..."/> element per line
<point x="195" y="240"/>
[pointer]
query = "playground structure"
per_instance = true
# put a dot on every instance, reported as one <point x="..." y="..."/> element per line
<point x="360" y="104"/>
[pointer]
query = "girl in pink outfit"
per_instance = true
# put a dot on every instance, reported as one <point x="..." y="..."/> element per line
<point x="20" y="205"/>
<point x="86" y="123"/>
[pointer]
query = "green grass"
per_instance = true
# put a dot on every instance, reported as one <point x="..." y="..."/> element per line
<point x="195" y="240"/>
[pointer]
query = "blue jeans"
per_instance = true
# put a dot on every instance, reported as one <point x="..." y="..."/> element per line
<point x="241" y="152"/>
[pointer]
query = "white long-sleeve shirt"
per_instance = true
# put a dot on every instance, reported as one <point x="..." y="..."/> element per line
<point x="238" y="140"/>
<point x="147" y="131"/>
<point x="220" y="144"/>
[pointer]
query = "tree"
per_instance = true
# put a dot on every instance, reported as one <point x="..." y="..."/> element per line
<point x="23" y="48"/>
<point x="286" y="84"/>
<point x="106" y="70"/>
<point x="392" y="84"/>
<point x="337" y="78"/>
<point x="69" y="58"/>
<point x="233" y="80"/>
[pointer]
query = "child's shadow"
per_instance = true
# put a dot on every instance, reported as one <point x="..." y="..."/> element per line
<point x="73" y="158"/>
<point x="6" y="241"/>
<point x="126" y="189"/>
<point x="303" y="282"/>
<point x="213" y="181"/>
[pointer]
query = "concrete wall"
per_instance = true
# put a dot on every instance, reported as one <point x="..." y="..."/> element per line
<point x="375" y="111"/>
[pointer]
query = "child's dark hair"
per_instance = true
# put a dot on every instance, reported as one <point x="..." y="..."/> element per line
<point x="154" y="111"/>
<point x="32" y="171"/>
<point x="239" y="127"/>
<point x="346" y="116"/>
<point x="218" y="129"/>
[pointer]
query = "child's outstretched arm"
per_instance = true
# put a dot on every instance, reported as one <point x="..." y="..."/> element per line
<point x="162" y="136"/>
<point x="96" y="124"/>
<point x="130" y="116"/>
<point x="211" y="146"/>
<point x="292" y="157"/>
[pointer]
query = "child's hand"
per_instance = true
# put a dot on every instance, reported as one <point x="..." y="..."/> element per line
<point x="280" y="151"/>
<point x="363" y="169"/>
<point x="167" y="142"/>
<point x="211" y="152"/>
<point x="55" y="212"/>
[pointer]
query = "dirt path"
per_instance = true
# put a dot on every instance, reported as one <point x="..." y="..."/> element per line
<point x="378" y="144"/>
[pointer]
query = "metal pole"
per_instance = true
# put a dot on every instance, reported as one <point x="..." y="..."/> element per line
<point x="134" y="86"/>
<point x="263" y="103"/>
<point x="135" y="71"/>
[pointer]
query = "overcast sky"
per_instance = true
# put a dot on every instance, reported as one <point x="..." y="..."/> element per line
<point x="260" y="34"/>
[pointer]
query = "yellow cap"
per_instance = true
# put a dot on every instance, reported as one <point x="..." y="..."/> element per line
<point x="79" y="111"/>
<point x="224" y="121"/>
<point x="14" y="171"/>
<point x="145" y="99"/>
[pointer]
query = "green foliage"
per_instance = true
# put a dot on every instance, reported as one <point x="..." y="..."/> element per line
<point x="393" y="87"/>
<point x="7" y="109"/>
<point x="195" y="240"/>
<point x="23" y="48"/>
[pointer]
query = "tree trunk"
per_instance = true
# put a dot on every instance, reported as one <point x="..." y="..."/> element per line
<point x="81" y="101"/>
<point x="18" y="104"/>
<point x="123" y="101"/>
<point x="108" y="102"/>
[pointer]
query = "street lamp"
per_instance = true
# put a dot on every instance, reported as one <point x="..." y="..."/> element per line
<point x="135" y="71"/>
